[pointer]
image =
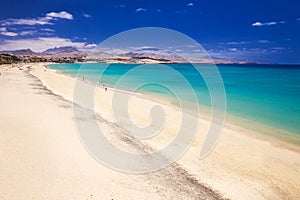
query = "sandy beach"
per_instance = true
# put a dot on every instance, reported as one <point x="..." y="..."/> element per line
<point x="42" y="157"/>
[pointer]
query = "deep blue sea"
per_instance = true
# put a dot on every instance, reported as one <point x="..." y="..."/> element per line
<point x="266" y="94"/>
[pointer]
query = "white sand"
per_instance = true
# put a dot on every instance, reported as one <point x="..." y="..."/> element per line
<point x="42" y="158"/>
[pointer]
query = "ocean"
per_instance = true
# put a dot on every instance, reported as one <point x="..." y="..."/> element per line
<point x="257" y="96"/>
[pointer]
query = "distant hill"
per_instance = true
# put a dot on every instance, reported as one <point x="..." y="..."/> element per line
<point x="142" y="55"/>
<point x="60" y="50"/>
<point x="66" y="51"/>
<point x="163" y="55"/>
<point x="175" y="57"/>
<point x="20" y="52"/>
<point x="155" y="54"/>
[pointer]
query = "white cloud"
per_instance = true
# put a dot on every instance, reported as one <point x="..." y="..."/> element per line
<point x="141" y="10"/>
<point x="247" y="53"/>
<point x="263" y="24"/>
<point x="107" y="50"/>
<point x="267" y="23"/>
<point x="87" y="15"/>
<point x="263" y="41"/>
<point x="27" y="32"/>
<point x="46" y="20"/>
<point x="236" y="42"/>
<point x="278" y="48"/>
<point x="233" y="49"/>
<point x="90" y="46"/>
<point x="42" y="43"/>
<point x="190" y="4"/>
<point x="298" y="19"/>
<point x="192" y="46"/>
<point x="47" y="29"/>
<point x="62" y="15"/>
<point x="30" y="22"/>
<point x="232" y="43"/>
<point x="3" y="31"/>
<point x="10" y="34"/>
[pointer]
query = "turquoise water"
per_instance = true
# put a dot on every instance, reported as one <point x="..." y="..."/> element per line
<point x="268" y="94"/>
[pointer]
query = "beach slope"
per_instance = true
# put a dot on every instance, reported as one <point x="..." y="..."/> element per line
<point x="42" y="158"/>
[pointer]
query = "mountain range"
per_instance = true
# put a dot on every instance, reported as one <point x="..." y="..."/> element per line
<point x="67" y="51"/>
<point x="137" y="55"/>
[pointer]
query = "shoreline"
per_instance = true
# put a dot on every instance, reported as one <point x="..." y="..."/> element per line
<point x="252" y="154"/>
<point x="42" y="156"/>
<point x="281" y="137"/>
<point x="241" y="165"/>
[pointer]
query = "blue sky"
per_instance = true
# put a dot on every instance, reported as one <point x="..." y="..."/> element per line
<point x="256" y="30"/>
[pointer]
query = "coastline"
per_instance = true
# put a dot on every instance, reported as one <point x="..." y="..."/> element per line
<point x="241" y="165"/>
<point x="42" y="156"/>
<point x="235" y="134"/>
<point x="287" y="139"/>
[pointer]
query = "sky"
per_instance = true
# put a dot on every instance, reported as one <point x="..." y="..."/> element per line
<point x="266" y="31"/>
